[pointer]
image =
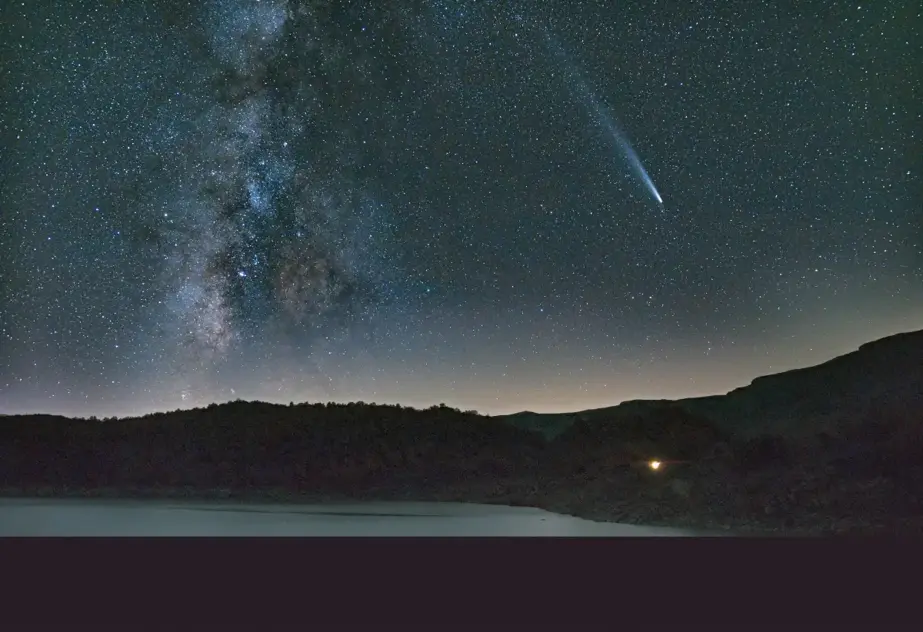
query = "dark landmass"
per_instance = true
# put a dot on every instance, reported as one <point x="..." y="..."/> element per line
<point x="828" y="449"/>
<point x="880" y="378"/>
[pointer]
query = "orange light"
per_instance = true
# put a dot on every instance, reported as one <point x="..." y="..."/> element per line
<point x="655" y="465"/>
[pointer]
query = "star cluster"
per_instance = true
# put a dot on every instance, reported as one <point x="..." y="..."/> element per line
<point x="421" y="202"/>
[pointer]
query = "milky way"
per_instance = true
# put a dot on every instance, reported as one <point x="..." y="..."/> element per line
<point x="270" y="253"/>
<point x="424" y="202"/>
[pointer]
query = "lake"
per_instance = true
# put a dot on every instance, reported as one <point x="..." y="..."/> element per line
<point x="78" y="517"/>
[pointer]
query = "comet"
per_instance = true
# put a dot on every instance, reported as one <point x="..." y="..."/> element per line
<point x="603" y="117"/>
<point x="619" y="139"/>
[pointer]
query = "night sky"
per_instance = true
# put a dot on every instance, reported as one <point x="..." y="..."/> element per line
<point x="460" y="202"/>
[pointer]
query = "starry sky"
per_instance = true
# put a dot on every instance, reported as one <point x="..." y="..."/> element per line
<point x="548" y="206"/>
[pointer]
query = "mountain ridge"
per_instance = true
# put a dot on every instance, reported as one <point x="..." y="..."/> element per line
<point x="781" y="402"/>
<point x="883" y="376"/>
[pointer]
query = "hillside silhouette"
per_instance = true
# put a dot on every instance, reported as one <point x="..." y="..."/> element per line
<point x="255" y="445"/>
<point x="881" y="379"/>
<point x="835" y="447"/>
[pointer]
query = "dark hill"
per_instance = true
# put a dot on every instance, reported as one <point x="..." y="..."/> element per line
<point x="262" y="446"/>
<point x="666" y="433"/>
<point x="881" y="378"/>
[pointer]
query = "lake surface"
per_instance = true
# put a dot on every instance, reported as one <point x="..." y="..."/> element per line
<point x="77" y="517"/>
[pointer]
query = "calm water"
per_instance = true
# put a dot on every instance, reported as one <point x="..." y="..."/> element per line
<point x="49" y="517"/>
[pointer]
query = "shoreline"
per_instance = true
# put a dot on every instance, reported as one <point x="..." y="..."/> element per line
<point x="638" y="513"/>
